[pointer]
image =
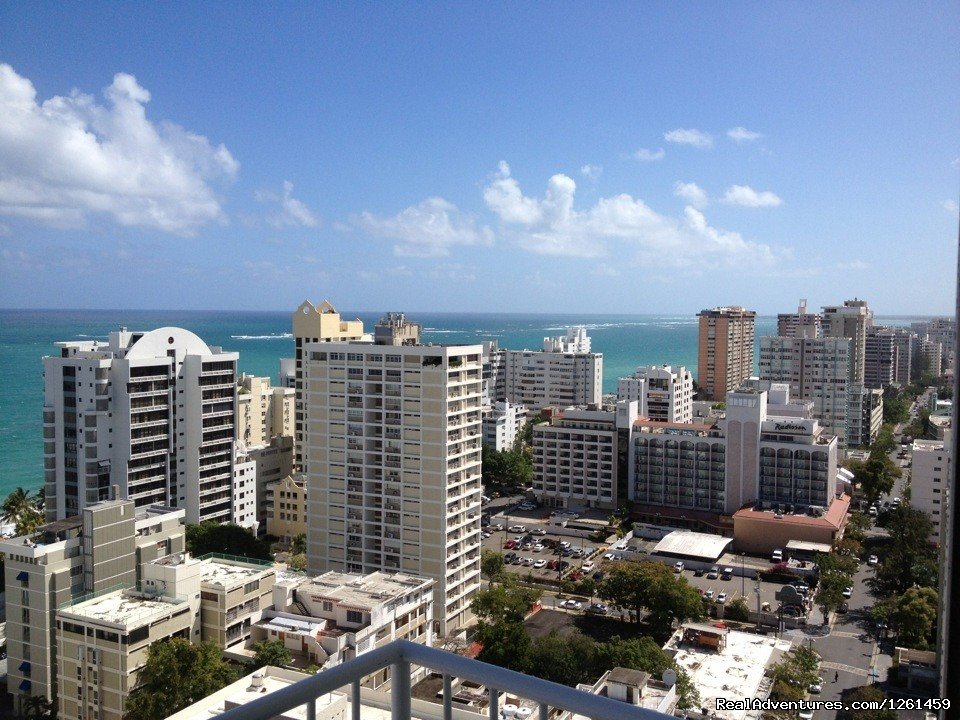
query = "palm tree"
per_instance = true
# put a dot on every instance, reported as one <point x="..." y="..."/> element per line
<point x="299" y="544"/>
<point x="15" y="504"/>
<point x="41" y="500"/>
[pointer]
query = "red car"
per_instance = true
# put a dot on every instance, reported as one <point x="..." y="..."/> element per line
<point x="509" y="544"/>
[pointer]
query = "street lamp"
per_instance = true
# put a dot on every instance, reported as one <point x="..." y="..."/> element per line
<point x="743" y="578"/>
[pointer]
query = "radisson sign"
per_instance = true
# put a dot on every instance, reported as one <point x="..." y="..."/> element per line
<point x="789" y="427"/>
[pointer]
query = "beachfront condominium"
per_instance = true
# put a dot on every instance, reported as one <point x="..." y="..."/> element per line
<point x="662" y="392"/>
<point x="564" y="373"/>
<point x="392" y="461"/>
<point x="311" y="324"/>
<point x="152" y="413"/>
<point x="106" y="545"/>
<point x="800" y="324"/>
<point x="263" y="411"/>
<point x="725" y="350"/>
<point x="576" y="456"/>
<point x="816" y="369"/>
<point x="850" y="320"/>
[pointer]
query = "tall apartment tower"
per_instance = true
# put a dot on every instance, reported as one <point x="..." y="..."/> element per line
<point x="905" y="344"/>
<point x="880" y="358"/>
<point x="311" y="324"/>
<point x="107" y="545"/>
<point x="662" y="392"/>
<point x="800" y="323"/>
<point x="850" y="320"/>
<point x="816" y="369"/>
<point x="263" y="411"/>
<point x="564" y="373"/>
<point x="726" y="350"/>
<point x="152" y="413"/>
<point x="392" y="461"/>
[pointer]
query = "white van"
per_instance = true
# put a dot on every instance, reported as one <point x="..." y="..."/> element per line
<point x="777" y="556"/>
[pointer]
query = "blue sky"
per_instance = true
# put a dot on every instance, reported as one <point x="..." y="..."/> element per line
<point x="642" y="157"/>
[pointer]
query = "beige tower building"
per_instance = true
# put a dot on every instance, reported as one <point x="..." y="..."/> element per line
<point x="725" y="350"/>
<point x="850" y="320"/>
<point x="263" y="411"/>
<point x="311" y="324"/>
<point x="392" y="461"/>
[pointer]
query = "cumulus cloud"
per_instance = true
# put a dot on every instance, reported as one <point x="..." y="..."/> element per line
<point x="292" y="212"/>
<point x="551" y="226"/>
<point x="645" y="155"/>
<point x="950" y="206"/>
<point x="68" y="158"/>
<point x="692" y="193"/>
<point x="748" y="197"/>
<point x="741" y="134"/>
<point x="429" y="229"/>
<point x="592" y="172"/>
<point x="689" y="136"/>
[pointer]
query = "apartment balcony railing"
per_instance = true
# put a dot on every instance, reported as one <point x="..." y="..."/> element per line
<point x="400" y="655"/>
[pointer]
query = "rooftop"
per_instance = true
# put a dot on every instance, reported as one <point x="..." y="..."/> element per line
<point x="123" y="607"/>
<point x="225" y="572"/>
<point x="737" y="671"/>
<point x="364" y="590"/>
<point x="833" y="517"/>
<point x="685" y="543"/>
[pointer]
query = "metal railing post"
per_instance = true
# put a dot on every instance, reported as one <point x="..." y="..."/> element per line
<point x="312" y="710"/>
<point x="400" y="690"/>
<point x="544" y="711"/>
<point x="494" y="704"/>
<point x="356" y="709"/>
<point x="447" y="697"/>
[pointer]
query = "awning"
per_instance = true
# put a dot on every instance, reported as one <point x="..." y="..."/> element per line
<point x="24" y="686"/>
<point x="23" y="576"/>
<point x="24" y="667"/>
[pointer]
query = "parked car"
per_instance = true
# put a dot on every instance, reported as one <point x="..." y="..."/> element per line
<point x="571" y="604"/>
<point x="609" y="556"/>
<point x="708" y="594"/>
<point x="714" y="573"/>
<point x="518" y="528"/>
<point x="722" y="598"/>
<point x="485" y="535"/>
<point x="538" y="547"/>
<point x="777" y="556"/>
<point x="816" y="687"/>
<point x="698" y="572"/>
<point x="510" y="557"/>
<point x="539" y="531"/>
<point x="844" y="607"/>
<point x="848" y="591"/>
<point x="727" y="573"/>
<point x="509" y="544"/>
<point x="872" y="512"/>
<point x="597" y="609"/>
<point x="873" y="560"/>
<point x="598" y="575"/>
<point x="587" y="566"/>
<point x="678" y="567"/>
<point x="518" y="560"/>
<point x="541" y="563"/>
<point x="497" y="526"/>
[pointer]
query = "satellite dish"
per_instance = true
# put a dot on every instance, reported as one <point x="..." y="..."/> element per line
<point x="669" y="677"/>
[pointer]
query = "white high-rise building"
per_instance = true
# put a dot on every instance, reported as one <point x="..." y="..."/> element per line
<point x="662" y="392"/>
<point x="575" y="341"/>
<point x="392" y="461"/>
<point x="816" y="369"/>
<point x="502" y="423"/>
<point x="930" y="480"/>
<point x="537" y="379"/>
<point x="152" y="413"/>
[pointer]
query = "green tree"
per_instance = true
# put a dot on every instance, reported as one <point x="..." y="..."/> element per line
<point x="875" y="476"/>
<point x="848" y="546"/>
<point x="297" y="562"/>
<point x="654" y="586"/>
<point x="271" y="652"/>
<point x="916" y="617"/>
<point x="500" y="611"/>
<point x="491" y="564"/>
<point x="645" y="654"/>
<point x="560" y="659"/>
<point x="796" y="671"/>
<point x="21" y="509"/>
<point x="298" y="546"/>
<point x="857" y="527"/>
<point x="737" y="610"/>
<point x="830" y="591"/>
<point x="895" y="410"/>
<point x="911" y="559"/>
<point x="176" y="675"/>
<point x="38" y="707"/>
<point x="211" y="536"/>
<point x="506" y="602"/>
<point x="865" y="693"/>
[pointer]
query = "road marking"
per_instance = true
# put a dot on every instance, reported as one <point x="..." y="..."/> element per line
<point x="844" y="668"/>
<point x="844" y="633"/>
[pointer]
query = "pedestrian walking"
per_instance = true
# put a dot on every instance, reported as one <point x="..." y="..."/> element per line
<point x="836" y="676"/>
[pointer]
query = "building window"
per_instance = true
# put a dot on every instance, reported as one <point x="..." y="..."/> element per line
<point x="354" y="616"/>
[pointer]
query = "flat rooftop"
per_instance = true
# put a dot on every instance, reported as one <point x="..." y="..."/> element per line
<point x="226" y="573"/>
<point x="736" y="672"/>
<point x="701" y="546"/>
<point x="123" y="608"/>
<point x="364" y="590"/>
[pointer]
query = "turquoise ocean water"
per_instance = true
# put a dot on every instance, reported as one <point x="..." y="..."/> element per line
<point x="263" y="338"/>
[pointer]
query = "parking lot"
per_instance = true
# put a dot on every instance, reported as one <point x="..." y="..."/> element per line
<point x="582" y="552"/>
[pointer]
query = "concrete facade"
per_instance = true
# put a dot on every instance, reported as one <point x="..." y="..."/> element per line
<point x="287" y="516"/>
<point x="929" y="481"/>
<point x="725" y="355"/>
<point x="662" y="392"/>
<point x="502" y="424"/>
<point x="263" y="411"/>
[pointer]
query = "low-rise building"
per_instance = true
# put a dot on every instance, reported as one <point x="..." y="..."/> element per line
<point x="274" y="462"/>
<point x="761" y="529"/>
<point x="502" y="423"/>
<point x="336" y="616"/>
<point x="576" y="456"/>
<point x="662" y="393"/>
<point x="234" y="592"/>
<point x="635" y="688"/>
<point x="287" y="514"/>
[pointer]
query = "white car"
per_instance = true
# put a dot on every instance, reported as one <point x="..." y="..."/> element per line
<point x="805" y="715"/>
<point x="722" y="598"/>
<point x="848" y="592"/>
<point x="609" y="556"/>
<point x="485" y="535"/>
<point x="498" y="526"/>
<point x="518" y="528"/>
<point x="678" y="568"/>
<point x="816" y="688"/>
<point x="539" y="531"/>
<point x="873" y="560"/>
<point x="587" y="566"/>
<point x="708" y="594"/>
<point x="541" y="563"/>
<point x="529" y="561"/>
<point x="538" y="548"/>
<point x="571" y="604"/>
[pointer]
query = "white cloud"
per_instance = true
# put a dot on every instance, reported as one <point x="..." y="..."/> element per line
<point x="592" y="172"/>
<point x="292" y="212"/>
<point x="950" y="206"/>
<point x="741" y="134"/>
<point x="689" y="136"/>
<point x="429" y="229"/>
<point x="645" y="155"/>
<point x="551" y="226"/>
<point x="69" y="158"/>
<point x="692" y="193"/>
<point x="853" y="265"/>
<point x="748" y="197"/>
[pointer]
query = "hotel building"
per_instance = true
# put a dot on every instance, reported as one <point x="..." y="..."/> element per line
<point x="662" y="392"/>
<point x="392" y="461"/>
<point x="151" y="413"/>
<point x="287" y="516"/>
<point x="725" y="350"/>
